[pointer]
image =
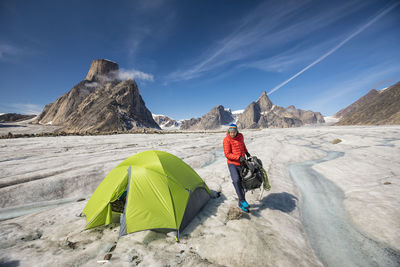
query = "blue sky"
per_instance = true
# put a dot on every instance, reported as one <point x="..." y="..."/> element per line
<point x="190" y="56"/>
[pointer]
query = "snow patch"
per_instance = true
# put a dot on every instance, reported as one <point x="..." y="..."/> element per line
<point x="235" y="115"/>
<point x="237" y="112"/>
<point x="157" y="115"/>
<point x="330" y="120"/>
<point x="381" y="90"/>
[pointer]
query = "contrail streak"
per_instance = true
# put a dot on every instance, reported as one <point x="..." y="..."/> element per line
<point x="336" y="47"/>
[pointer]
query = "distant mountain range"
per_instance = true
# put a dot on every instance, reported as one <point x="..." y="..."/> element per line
<point x="13" y="117"/>
<point x="259" y="114"/>
<point x="375" y="108"/>
<point x="168" y="123"/>
<point x="264" y="114"/>
<point x="102" y="102"/>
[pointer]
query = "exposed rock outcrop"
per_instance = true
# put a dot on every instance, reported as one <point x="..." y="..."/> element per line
<point x="187" y="124"/>
<point x="376" y="108"/>
<point x="306" y="116"/>
<point x="102" y="69"/>
<point x="14" y="117"/>
<point x="264" y="102"/>
<point x="363" y="100"/>
<point x="99" y="103"/>
<point x="212" y="120"/>
<point x="264" y="114"/>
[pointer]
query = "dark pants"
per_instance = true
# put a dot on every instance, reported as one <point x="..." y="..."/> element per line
<point x="237" y="181"/>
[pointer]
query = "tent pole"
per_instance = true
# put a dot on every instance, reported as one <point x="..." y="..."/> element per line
<point x="123" y="228"/>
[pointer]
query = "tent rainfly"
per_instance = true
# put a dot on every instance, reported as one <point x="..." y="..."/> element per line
<point x="162" y="192"/>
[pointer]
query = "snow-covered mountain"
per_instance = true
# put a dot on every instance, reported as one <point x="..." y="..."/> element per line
<point x="166" y="123"/>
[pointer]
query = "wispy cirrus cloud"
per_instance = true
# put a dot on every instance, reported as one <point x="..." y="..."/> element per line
<point x="267" y="27"/>
<point x="7" y="51"/>
<point x="333" y="50"/>
<point x="151" y="23"/>
<point x="293" y="57"/>
<point x="138" y="36"/>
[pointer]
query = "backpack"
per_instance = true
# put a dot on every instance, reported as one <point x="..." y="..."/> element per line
<point x="252" y="173"/>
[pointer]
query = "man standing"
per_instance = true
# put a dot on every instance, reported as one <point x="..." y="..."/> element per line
<point x="235" y="151"/>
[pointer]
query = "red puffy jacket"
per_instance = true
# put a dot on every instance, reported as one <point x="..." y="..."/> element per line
<point x="234" y="148"/>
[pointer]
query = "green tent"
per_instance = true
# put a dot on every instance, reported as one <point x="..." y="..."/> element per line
<point x="162" y="192"/>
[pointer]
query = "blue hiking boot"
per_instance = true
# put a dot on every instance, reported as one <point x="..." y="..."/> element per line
<point x="243" y="208"/>
<point x="245" y="204"/>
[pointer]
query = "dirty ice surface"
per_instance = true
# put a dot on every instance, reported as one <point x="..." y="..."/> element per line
<point x="45" y="176"/>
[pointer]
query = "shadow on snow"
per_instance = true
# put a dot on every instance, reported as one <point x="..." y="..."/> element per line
<point x="284" y="202"/>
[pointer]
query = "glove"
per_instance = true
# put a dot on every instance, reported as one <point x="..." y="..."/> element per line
<point x="248" y="154"/>
<point x="242" y="160"/>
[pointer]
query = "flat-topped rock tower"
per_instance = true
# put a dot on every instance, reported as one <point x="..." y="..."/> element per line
<point x="100" y="103"/>
<point x="101" y="69"/>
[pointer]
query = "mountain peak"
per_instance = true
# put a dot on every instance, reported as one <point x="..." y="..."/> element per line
<point x="264" y="102"/>
<point x="85" y="108"/>
<point x="212" y="120"/>
<point x="263" y="114"/>
<point x="374" y="108"/>
<point x="101" y="69"/>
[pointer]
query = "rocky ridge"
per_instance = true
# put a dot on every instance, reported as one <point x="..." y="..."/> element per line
<point x="14" y="117"/>
<point x="100" y="103"/>
<point x="376" y="108"/>
<point x="363" y="100"/>
<point x="212" y="120"/>
<point x="264" y="114"/>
